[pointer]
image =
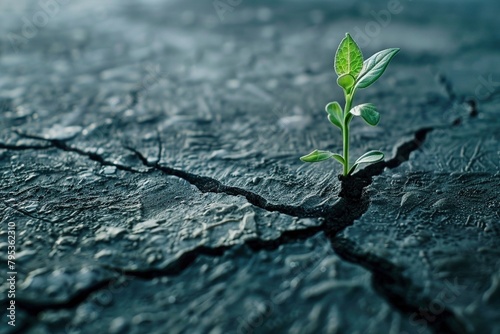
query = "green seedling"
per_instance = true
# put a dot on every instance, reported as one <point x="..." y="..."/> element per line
<point x="353" y="74"/>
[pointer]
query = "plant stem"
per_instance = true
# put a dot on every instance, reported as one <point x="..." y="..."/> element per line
<point x="345" y="131"/>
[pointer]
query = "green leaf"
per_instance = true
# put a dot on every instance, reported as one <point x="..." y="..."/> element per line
<point x="368" y="112"/>
<point x="370" y="157"/>
<point x="353" y="168"/>
<point x="334" y="113"/>
<point x="346" y="81"/>
<point x="339" y="158"/>
<point x="348" y="58"/>
<point x="374" y="67"/>
<point x="317" y="156"/>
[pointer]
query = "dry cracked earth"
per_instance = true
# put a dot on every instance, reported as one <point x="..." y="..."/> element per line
<point x="149" y="163"/>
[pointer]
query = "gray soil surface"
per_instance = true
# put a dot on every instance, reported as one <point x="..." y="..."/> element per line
<point x="149" y="162"/>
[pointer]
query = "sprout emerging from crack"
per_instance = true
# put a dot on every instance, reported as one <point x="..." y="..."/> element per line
<point x="353" y="73"/>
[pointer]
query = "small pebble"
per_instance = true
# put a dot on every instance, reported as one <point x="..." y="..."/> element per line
<point x="108" y="170"/>
<point x="118" y="325"/>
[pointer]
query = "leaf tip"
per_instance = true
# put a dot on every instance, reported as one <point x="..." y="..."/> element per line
<point x="304" y="158"/>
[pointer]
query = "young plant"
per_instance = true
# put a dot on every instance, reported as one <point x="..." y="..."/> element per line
<point x="353" y="74"/>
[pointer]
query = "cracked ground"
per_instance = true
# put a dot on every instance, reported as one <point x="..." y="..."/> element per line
<point x="149" y="161"/>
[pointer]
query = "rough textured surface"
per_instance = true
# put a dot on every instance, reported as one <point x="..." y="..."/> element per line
<point x="149" y="159"/>
<point x="237" y="292"/>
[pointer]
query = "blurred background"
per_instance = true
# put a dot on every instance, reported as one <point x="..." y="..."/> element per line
<point x="209" y="75"/>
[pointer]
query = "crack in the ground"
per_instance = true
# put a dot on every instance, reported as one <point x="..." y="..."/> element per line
<point x="391" y="285"/>
<point x="210" y="185"/>
<point x="61" y="145"/>
<point x="34" y="307"/>
<point x="338" y="216"/>
<point x="185" y="259"/>
<point x="388" y="280"/>
<point x="27" y="214"/>
<point x="11" y="147"/>
<point x="207" y="184"/>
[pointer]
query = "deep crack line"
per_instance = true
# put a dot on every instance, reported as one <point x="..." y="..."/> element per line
<point x="203" y="183"/>
<point x="207" y="184"/>
<point x="23" y="147"/>
<point x="388" y="279"/>
<point x="337" y="217"/>
<point x="357" y="182"/>
<point x="185" y="259"/>
<point x="390" y="283"/>
<point x="61" y="145"/>
<point x="402" y="155"/>
<point x="351" y="187"/>
<point x="34" y="308"/>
